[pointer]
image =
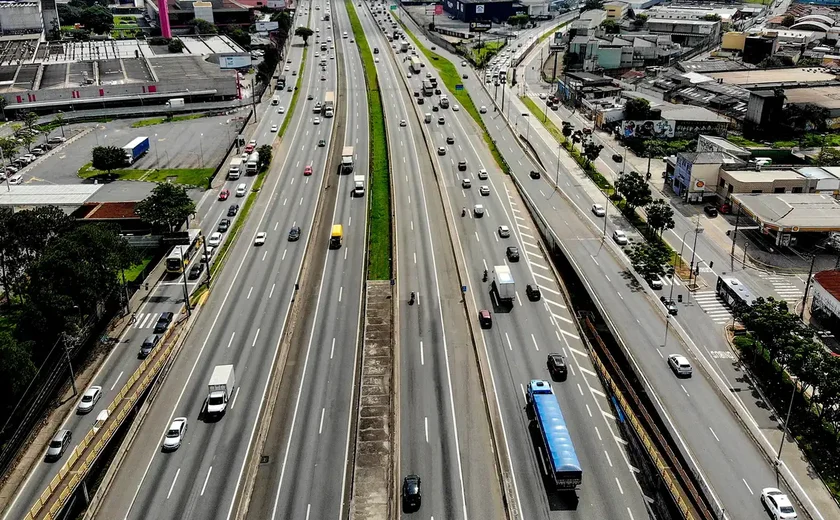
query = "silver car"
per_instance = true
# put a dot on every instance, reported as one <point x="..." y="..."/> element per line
<point x="89" y="399"/>
<point x="58" y="444"/>
<point x="680" y="365"/>
<point x="175" y="434"/>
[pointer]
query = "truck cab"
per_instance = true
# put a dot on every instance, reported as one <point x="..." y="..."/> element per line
<point x="336" y="236"/>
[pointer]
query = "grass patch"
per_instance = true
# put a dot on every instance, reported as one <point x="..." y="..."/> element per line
<point x="379" y="264"/>
<point x="135" y="271"/>
<point x="188" y="176"/>
<point x="486" y="52"/>
<point x="293" y="102"/>
<point x="449" y="76"/>
<point x="551" y="33"/>
<point x="161" y="120"/>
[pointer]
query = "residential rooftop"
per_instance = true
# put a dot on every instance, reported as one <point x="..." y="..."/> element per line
<point x="799" y="212"/>
<point x="760" y="76"/>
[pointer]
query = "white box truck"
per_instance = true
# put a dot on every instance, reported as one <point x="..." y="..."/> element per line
<point x="235" y="168"/>
<point x="347" y="159"/>
<point x="275" y="100"/>
<point x="219" y="390"/>
<point x="252" y="164"/>
<point x="503" y="283"/>
<point x="175" y="102"/>
<point x="358" y="185"/>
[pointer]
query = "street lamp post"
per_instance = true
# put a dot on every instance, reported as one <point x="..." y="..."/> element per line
<point x="787" y="422"/>
<point x="201" y="148"/>
<point x="528" y="132"/>
<point x="157" y="156"/>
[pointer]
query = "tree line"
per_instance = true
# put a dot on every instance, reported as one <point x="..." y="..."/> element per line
<point x="54" y="275"/>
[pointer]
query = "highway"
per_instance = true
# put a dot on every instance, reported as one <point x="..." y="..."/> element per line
<point x="445" y="437"/>
<point x="310" y="433"/>
<point x="521" y="337"/>
<point x="242" y="323"/>
<point x="165" y="296"/>
<point x="726" y="456"/>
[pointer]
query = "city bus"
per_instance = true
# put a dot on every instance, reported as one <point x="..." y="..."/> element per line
<point x="180" y="257"/>
<point x="733" y="292"/>
<point x="428" y="89"/>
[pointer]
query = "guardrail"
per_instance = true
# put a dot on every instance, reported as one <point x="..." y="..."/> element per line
<point x="58" y="492"/>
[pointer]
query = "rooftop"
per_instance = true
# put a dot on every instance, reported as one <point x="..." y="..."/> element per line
<point x="759" y="76"/>
<point x="107" y="210"/>
<point x="801" y="212"/>
<point x="710" y="158"/>
<point x="830" y="281"/>
<point x="763" y="175"/>
<point x="726" y="144"/>
<point x="23" y="196"/>
<point x="826" y="97"/>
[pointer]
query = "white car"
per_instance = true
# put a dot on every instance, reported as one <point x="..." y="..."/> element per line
<point x="316" y="121"/>
<point x="441" y="150"/>
<point x="504" y="231"/>
<point x="478" y="210"/>
<point x="466" y="183"/>
<point x="215" y="239"/>
<point x="274" y="129"/>
<point x="281" y="110"/>
<point x="402" y="122"/>
<point x="681" y="367"/>
<point x="482" y="174"/>
<point x="777" y="504"/>
<point x="484" y="191"/>
<point x="598" y="210"/>
<point x="376" y="59"/>
<point x="260" y="239"/>
<point x="542" y="95"/>
<point x="89" y="399"/>
<point x="408" y="75"/>
<point x="619" y="237"/>
<point x="175" y="434"/>
<point x="483" y="109"/>
<point x="456" y="108"/>
<point x="286" y="68"/>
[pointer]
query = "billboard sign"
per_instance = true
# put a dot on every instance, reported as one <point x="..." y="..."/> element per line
<point x="267" y="26"/>
<point x="480" y="26"/>
<point x="234" y="61"/>
<point x="438" y="9"/>
<point x="276" y="4"/>
<point x="650" y="129"/>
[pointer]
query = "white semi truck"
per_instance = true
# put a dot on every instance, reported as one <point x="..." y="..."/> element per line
<point x="347" y="159"/>
<point x="235" y="168"/>
<point x="219" y="390"/>
<point x="503" y="283"/>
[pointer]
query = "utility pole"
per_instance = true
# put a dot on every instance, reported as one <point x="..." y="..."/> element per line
<point x="253" y="102"/>
<point x="184" y="278"/>
<point x="805" y="296"/>
<point x="70" y="364"/>
<point x="734" y="235"/>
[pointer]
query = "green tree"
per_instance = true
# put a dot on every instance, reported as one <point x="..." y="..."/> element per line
<point x="660" y="216"/>
<point x="829" y="384"/>
<point x="264" y="154"/>
<point x="16" y="370"/>
<point x="175" y="46"/>
<point x="30" y="121"/>
<point x="635" y="191"/>
<point x="305" y="33"/>
<point x="803" y="118"/>
<point x="806" y="361"/>
<point x="826" y="157"/>
<point x="640" y="20"/>
<point x="567" y="129"/>
<point x="788" y="20"/>
<point x="650" y="260"/>
<point x="97" y="19"/>
<point x="771" y="324"/>
<point x="591" y="151"/>
<point x="637" y="109"/>
<point x="59" y="121"/>
<point x="242" y="38"/>
<point x="107" y="158"/>
<point x="203" y="26"/>
<point x="168" y="206"/>
<point x="9" y="146"/>
<point x="712" y="17"/>
<point x="518" y="20"/>
<point x="611" y="26"/>
<point x="776" y="62"/>
<point x="591" y="5"/>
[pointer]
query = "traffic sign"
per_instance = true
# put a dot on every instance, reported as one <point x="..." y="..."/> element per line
<point x="459" y="87"/>
<point x="393" y="7"/>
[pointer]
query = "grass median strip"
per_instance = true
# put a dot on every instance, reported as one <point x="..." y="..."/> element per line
<point x="187" y="176"/>
<point x="450" y="77"/>
<point x="379" y="264"/>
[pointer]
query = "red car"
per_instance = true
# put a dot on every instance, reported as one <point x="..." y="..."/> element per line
<point x="307" y="170"/>
<point x="249" y="148"/>
<point x="224" y="194"/>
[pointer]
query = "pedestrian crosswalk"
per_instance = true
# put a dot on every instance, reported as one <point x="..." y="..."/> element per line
<point x="145" y="320"/>
<point x="784" y="286"/>
<point x="713" y="305"/>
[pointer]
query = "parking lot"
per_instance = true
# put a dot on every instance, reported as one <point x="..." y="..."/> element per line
<point x="194" y="143"/>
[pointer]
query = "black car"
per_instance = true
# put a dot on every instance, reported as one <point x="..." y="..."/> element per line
<point x="617" y="158"/>
<point x="450" y="140"/>
<point x="420" y="101"/>
<point x="535" y="174"/>
<point x="557" y="367"/>
<point x="411" y="494"/>
<point x="462" y="166"/>
<point x="322" y="143"/>
<point x="710" y="210"/>
<point x="512" y="253"/>
<point x="196" y="271"/>
<point x="163" y="322"/>
<point x="533" y="292"/>
<point x="670" y="305"/>
<point x="233" y="210"/>
<point x="435" y="108"/>
<point x="224" y="225"/>
<point x="294" y="234"/>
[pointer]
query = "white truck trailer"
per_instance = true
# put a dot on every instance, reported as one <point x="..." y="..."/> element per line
<point x="220" y="390"/>
<point x="503" y="283"/>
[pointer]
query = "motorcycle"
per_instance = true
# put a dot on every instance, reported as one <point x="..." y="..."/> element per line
<point x="485" y="276"/>
<point x="463" y="212"/>
<point x="411" y="300"/>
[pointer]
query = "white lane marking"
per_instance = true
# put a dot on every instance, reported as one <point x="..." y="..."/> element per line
<point x="426" y="423"/>
<point x="210" y="470"/>
<point x="270" y="294"/>
<point x="249" y="293"/>
<point x="231" y="339"/>
<point x="235" y="395"/>
<point x="321" y="424"/>
<point x="714" y="434"/>
<point x="422" y="357"/>
<point x="115" y="380"/>
<point x="257" y="335"/>
<point x="173" y="483"/>
<point x="748" y="486"/>
<point x="332" y="348"/>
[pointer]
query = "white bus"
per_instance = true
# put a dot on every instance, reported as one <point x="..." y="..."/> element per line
<point x="180" y="257"/>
